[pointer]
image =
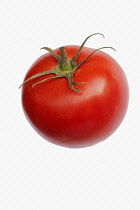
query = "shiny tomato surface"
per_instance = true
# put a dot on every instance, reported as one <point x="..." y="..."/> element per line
<point x="76" y="119"/>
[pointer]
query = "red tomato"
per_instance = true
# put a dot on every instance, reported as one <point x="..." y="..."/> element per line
<point x="71" y="117"/>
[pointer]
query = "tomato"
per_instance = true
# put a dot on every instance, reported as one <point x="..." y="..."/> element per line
<point x="81" y="105"/>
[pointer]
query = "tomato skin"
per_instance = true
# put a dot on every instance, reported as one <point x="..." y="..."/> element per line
<point x="72" y="119"/>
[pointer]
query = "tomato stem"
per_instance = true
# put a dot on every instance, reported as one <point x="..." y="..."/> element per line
<point x="65" y="62"/>
<point x="66" y="68"/>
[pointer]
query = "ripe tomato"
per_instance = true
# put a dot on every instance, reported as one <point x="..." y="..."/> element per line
<point x="75" y="109"/>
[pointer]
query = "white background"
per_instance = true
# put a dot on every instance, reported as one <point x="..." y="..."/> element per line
<point x="35" y="174"/>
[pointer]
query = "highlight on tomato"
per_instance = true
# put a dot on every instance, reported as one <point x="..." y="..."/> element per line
<point x="75" y="96"/>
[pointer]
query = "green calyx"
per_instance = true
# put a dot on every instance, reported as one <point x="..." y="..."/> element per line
<point x="65" y="68"/>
